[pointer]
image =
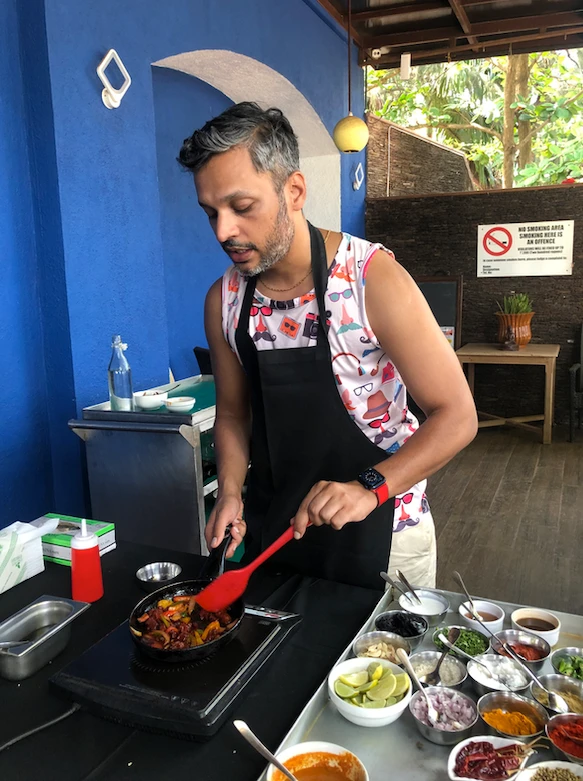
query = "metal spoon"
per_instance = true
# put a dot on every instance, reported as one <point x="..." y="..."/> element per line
<point x="254" y="741"/>
<point x="556" y="702"/>
<point x="409" y="586"/>
<point x="386" y="577"/>
<point x="434" y="678"/>
<point x="432" y="713"/>
<point x="460" y="580"/>
<point x="459" y="651"/>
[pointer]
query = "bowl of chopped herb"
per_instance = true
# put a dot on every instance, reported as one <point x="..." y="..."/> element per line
<point x="569" y="662"/>
<point x="470" y="640"/>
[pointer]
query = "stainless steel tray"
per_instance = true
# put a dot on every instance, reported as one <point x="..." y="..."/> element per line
<point x="398" y="751"/>
<point x="44" y="628"/>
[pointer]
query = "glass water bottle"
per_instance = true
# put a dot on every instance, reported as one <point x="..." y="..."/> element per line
<point x="119" y="376"/>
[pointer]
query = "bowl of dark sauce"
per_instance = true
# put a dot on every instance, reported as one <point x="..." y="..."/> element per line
<point x="537" y="622"/>
<point x="412" y="627"/>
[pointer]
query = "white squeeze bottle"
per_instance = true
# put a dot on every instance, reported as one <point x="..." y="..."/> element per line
<point x="86" y="579"/>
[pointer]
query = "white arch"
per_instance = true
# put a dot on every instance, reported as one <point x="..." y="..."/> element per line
<point x="242" y="78"/>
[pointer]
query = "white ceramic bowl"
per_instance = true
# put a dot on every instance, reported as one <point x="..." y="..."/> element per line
<point x="375" y="717"/>
<point x="495" y="741"/>
<point x="486" y="607"/>
<point x="180" y="404"/>
<point x="357" y="772"/>
<point x="149" y="399"/>
<point x="551" y="636"/>
<point x="529" y="772"/>
<point x="430" y="599"/>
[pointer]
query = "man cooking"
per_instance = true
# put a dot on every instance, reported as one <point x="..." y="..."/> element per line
<point x="315" y="337"/>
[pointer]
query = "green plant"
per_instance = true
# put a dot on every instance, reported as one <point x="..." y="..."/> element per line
<point x="517" y="303"/>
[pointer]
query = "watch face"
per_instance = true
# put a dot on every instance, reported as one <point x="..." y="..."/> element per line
<point x="370" y="478"/>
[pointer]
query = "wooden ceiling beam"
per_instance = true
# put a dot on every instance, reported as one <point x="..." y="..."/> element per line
<point x="500" y="26"/>
<point x="342" y="20"/>
<point x="390" y="10"/>
<point x="462" y="17"/>
<point x="428" y="35"/>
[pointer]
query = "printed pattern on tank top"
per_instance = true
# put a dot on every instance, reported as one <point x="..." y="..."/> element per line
<point x="368" y="383"/>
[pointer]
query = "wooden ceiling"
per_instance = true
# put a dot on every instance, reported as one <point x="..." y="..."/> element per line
<point x="441" y="30"/>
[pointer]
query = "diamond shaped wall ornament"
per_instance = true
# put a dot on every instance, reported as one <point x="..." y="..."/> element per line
<point x="112" y="97"/>
<point x="358" y="177"/>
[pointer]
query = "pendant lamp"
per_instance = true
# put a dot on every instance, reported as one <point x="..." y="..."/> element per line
<point x="351" y="133"/>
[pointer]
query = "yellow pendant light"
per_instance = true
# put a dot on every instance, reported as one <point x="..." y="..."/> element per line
<point x="351" y="133"/>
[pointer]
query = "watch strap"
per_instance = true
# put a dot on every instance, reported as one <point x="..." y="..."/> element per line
<point x="381" y="493"/>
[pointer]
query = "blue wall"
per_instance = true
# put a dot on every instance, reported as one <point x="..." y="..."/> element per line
<point x="25" y="463"/>
<point x="100" y="246"/>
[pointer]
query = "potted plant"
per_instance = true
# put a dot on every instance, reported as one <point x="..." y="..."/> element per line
<point x="515" y="313"/>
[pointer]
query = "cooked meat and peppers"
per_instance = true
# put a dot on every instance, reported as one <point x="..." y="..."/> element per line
<point x="179" y="623"/>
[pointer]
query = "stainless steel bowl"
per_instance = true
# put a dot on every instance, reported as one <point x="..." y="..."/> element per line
<point x="561" y="653"/>
<point x="433" y="656"/>
<point x="361" y="643"/>
<point x="438" y="736"/>
<point x="513" y="636"/>
<point x="445" y="630"/>
<point x="556" y="721"/>
<point x="483" y="688"/>
<point x="510" y="702"/>
<point x="158" y="574"/>
<point x="558" y="684"/>
<point x="433" y="619"/>
<point x="413" y="641"/>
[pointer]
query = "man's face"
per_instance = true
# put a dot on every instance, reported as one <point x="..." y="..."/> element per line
<point x="250" y="219"/>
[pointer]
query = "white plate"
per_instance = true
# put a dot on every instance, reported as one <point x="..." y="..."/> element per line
<point x="528" y="773"/>
<point x="493" y="739"/>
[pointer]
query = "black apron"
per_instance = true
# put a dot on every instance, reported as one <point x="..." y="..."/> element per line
<point x="302" y="433"/>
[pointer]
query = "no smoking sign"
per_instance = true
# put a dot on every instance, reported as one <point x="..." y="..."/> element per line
<point x="497" y="241"/>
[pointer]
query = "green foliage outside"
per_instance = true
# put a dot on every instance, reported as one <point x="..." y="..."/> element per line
<point x="518" y="119"/>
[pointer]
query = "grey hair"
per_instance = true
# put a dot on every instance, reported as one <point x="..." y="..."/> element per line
<point x="267" y="134"/>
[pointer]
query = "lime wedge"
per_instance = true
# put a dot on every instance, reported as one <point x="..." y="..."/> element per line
<point x="385" y="689"/>
<point x="375" y="671"/>
<point x="344" y="691"/>
<point x="355" y="679"/>
<point x="367" y="686"/>
<point x="373" y="704"/>
<point x="402" y="684"/>
<point x="391" y="701"/>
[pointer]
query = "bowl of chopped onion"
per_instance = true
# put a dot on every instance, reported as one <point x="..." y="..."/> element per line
<point x="457" y="715"/>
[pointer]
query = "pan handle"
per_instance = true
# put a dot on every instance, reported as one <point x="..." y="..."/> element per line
<point x="214" y="564"/>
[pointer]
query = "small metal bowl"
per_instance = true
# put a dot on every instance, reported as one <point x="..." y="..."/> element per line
<point x="561" y="653"/>
<point x="508" y="701"/>
<point x="512" y="636"/>
<point x="483" y="688"/>
<point x="413" y="641"/>
<point x="361" y="643"/>
<point x="445" y="630"/>
<point x="433" y="619"/>
<point x="555" y="721"/>
<point x="558" y="684"/>
<point x="438" y="736"/>
<point x="158" y="574"/>
<point x="433" y="656"/>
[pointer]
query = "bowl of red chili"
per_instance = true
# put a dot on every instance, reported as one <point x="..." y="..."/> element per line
<point x="533" y="649"/>
<point x="487" y="757"/>
<point x="565" y="731"/>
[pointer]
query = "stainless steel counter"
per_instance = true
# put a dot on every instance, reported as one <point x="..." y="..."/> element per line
<point x="398" y="752"/>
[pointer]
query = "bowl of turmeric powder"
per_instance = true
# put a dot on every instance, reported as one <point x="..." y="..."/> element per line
<point x="511" y="715"/>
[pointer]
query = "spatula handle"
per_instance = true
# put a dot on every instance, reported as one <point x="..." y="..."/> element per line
<point x="269" y="551"/>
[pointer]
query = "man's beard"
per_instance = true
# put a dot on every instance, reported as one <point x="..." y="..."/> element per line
<point x="277" y="245"/>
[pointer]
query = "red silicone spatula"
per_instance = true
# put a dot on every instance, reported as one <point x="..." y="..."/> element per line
<point x="228" y="587"/>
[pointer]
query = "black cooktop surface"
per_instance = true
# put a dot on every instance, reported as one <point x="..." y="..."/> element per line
<point x="114" y="680"/>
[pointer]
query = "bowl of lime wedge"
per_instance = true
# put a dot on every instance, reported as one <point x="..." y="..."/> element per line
<point x="369" y="692"/>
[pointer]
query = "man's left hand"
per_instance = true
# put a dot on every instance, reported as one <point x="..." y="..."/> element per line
<point x="335" y="505"/>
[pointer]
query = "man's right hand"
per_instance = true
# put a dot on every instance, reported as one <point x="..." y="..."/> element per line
<point x="227" y="510"/>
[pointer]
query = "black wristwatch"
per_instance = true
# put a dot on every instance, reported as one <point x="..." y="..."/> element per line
<point x="374" y="481"/>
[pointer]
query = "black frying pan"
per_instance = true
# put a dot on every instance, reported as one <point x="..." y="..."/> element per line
<point x="214" y="566"/>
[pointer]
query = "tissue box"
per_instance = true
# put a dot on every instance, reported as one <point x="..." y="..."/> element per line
<point x="56" y="546"/>
<point x="21" y="553"/>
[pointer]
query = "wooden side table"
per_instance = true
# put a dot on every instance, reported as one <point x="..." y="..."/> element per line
<point x="531" y="355"/>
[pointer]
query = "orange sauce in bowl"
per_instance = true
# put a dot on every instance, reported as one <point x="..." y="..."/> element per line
<point x="321" y="766"/>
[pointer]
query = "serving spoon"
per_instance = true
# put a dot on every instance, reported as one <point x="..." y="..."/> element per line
<point x="254" y="741"/>
<point x="460" y="580"/>
<point x="470" y="658"/>
<point x="432" y="713"/>
<point x="388" y="579"/>
<point x="434" y="678"/>
<point x="409" y="586"/>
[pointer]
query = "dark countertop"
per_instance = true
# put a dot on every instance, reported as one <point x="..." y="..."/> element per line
<point x="85" y="747"/>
